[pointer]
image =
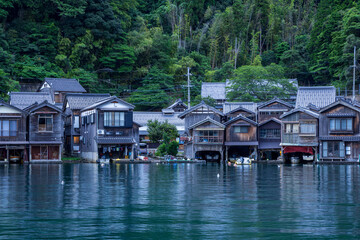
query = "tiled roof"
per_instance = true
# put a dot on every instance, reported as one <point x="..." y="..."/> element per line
<point x="341" y="102"/>
<point x="239" y="117"/>
<point x="215" y="90"/>
<point x="254" y="143"/>
<point x="82" y="100"/>
<point x="307" y="111"/>
<point x="320" y="96"/>
<point x="340" y="138"/>
<point x="200" y="105"/>
<point x="273" y="101"/>
<point x="177" y="102"/>
<point x="270" y="120"/>
<point x="115" y="140"/>
<point x="105" y="100"/>
<point x="24" y="99"/>
<point x="207" y="119"/>
<point x="143" y="117"/>
<point x="232" y="106"/>
<point x="36" y="106"/>
<point x="64" y="85"/>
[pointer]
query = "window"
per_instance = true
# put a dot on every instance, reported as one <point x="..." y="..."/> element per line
<point x="333" y="149"/>
<point x="45" y="152"/>
<point x="76" y="139"/>
<point x="92" y="118"/>
<point x="308" y="128"/>
<point x="292" y="128"/>
<point x="270" y="133"/>
<point x="76" y="122"/>
<point x="45" y="123"/>
<point x="348" y="150"/>
<point x="241" y="129"/>
<point x="114" y="119"/>
<point x="341" y="124"/>
<point x="8" y="128"/>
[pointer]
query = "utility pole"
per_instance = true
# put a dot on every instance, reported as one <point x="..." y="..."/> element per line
<point x="188" y="86"/>
<point x="354" y="70"/>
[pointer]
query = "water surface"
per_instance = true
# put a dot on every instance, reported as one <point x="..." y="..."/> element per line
<point x="179" y="201"/>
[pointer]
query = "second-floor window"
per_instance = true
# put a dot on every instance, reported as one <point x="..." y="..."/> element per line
<point x="292" y="128"/>
<point x="341" y="124"/>
<point x="114" y="119"/>
<point x="241" y="129"/>
<point x="308" y="128"/>
<point x="46" y="123"/>
<point x="270" y="133"/>
<point x="8" y="128"/>
<point x="76" y="122"/>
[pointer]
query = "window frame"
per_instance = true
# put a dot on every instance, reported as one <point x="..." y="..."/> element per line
<point x="341" y="125"/>
<point x="46" y="116"/>
<point x="114" y="119"/>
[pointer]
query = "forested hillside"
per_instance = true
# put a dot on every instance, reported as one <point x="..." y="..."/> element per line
<point x="140" y="49"/>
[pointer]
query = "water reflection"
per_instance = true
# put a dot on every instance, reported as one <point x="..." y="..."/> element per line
<point x="178" y="201"/>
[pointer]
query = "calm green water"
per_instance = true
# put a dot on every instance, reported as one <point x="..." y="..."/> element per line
<point x="181" y="201"/>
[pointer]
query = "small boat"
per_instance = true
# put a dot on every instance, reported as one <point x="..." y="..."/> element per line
<point x="14" y="158"/>
<point x="308" y="157"/>
<point x="104" y="160"/>
<point x="243" y="161"/>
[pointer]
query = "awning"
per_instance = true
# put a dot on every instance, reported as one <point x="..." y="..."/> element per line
<point x="293" y="149"/>
<point x="115" y="140"/>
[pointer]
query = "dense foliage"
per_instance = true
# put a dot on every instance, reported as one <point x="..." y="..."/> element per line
<point x="140" y="49"/>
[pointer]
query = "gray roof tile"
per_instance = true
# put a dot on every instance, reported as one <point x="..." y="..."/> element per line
<point x="24" y="99"/>
<point x="82" y="100"/>
<point x="231" y="106"/>
<point x="64" y="85"/>
<point x="320" y="96"/>
<point x="115" y="140"/>
<point x="215" y="90"/>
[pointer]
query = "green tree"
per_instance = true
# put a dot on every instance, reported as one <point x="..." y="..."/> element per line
<point x="158" y="130"/>
<point x="258" y="83"/>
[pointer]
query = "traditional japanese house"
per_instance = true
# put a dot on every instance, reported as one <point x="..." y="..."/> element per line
<point x="73" y="103"/>
<point x="204" y="131"/>
<point x="13" y="142"/>
<point x="240" y="138"/>
<point x="272" y="109"/>
<point x="45" y="127"/>
<point x="269" y="139"/>
<point x="108" y="130"/>
<point x="339" y="132"/>
<point x="299" y="134"/>
<point x="59" y="87"/>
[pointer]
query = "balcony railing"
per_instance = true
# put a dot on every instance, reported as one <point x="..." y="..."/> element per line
<point x="208" y="139"/>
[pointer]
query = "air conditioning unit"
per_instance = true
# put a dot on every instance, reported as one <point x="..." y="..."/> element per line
<point x="100" y="131"/>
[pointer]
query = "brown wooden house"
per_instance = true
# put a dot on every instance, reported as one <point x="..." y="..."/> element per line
<point x="243" y="111"/>
<point x="269" y="139"/>
<point x="339" y="132"/>
<point x="204" y="132"/>
<point x="299" y="134"/>
<point x="45" y="126"/>
<point x="13" y="142"/>
<point x="241" y="138"/>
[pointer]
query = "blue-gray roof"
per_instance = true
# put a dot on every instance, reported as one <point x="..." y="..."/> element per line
<point x="65" y="85"/>
<point x="207" y="119"/>
<point x="200" y="105"/>
<point x="307" y="111"/>
<point x="24" y="99"/>
<point x="215" y="90"/>
<point x="241" y="117"/>
<point x="81" y="100"/>
<point x="106" y="100"/>
<point x="319" y="96"/>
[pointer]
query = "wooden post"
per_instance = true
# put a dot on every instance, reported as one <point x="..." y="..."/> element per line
<point x="132" y="152"/>
<point x="227" y="153"/>
<point x="7" y="154"/>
